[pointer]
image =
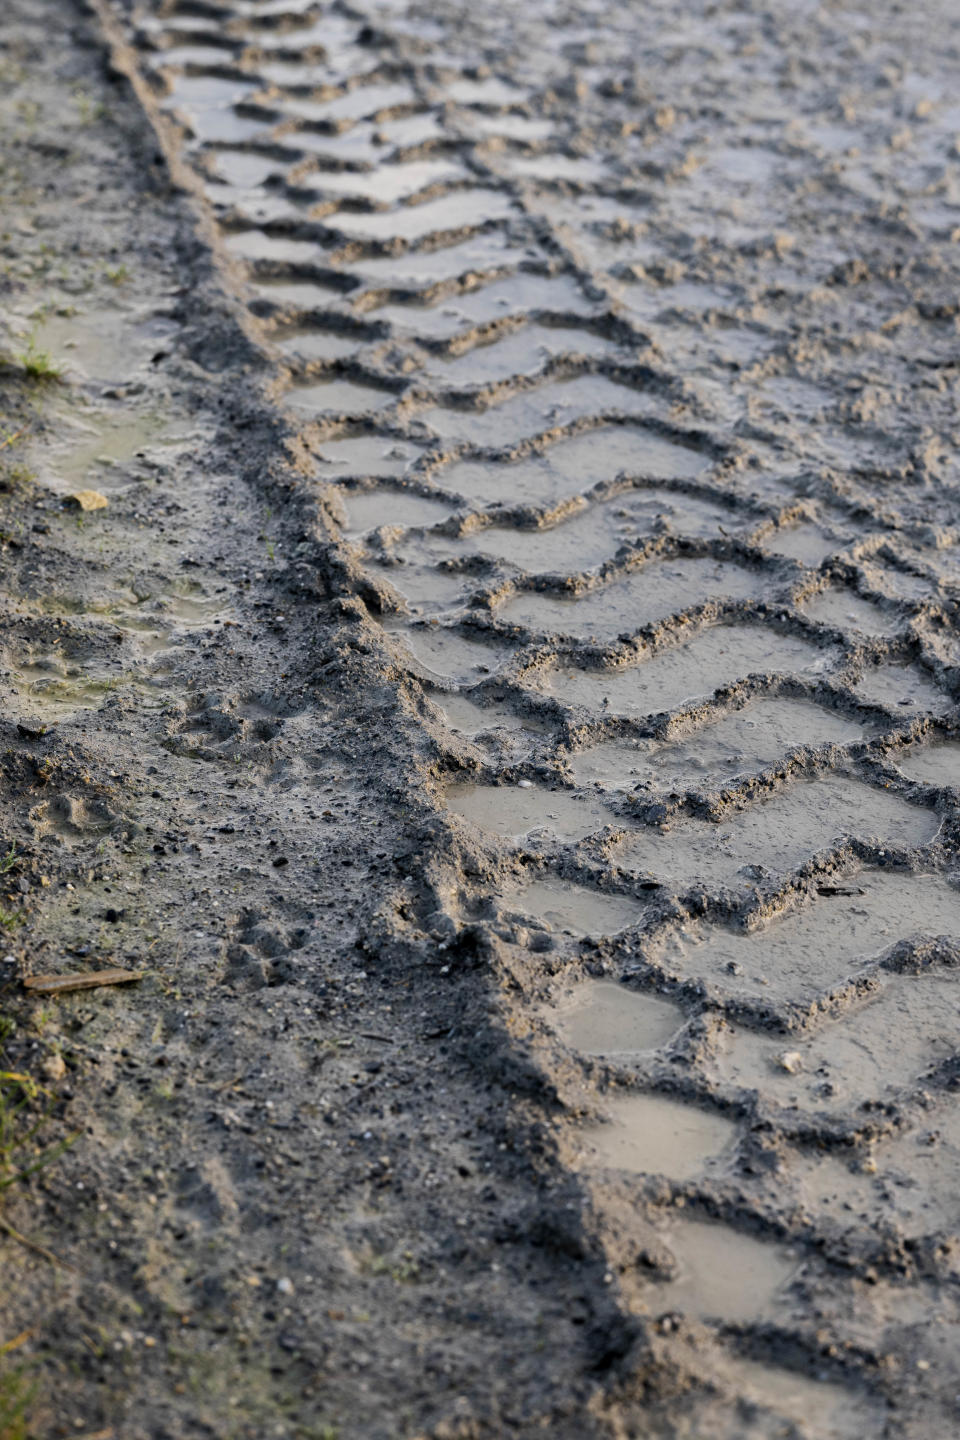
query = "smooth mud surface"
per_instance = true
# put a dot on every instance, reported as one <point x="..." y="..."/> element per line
<point x="480" y="634"/>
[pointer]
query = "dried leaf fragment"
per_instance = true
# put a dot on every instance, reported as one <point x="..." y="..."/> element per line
<point x="88" y="500"/>
<point x="56" y="984"/>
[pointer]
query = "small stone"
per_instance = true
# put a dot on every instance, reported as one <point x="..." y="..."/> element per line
<point x="791" y="1061"/>
<point x="54" y="1067"/>
<point x="525" y="784"/>
<point x="87" y="500"/>
<point x="285" y="1285"/>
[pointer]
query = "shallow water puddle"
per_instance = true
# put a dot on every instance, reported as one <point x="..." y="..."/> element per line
<point x="722" y="1274"/>
<point x="881" y="1044"/>
<point x="311" y="345"/>
<point x="814" y="948"/>
<point x="103" y="442"/>
<point x="458" y="211"/>
<point x="278" y="249"/>
<point x="368" y="510"/>
<point x="296" y="296"/>
<point x="806" y="543"/>
<point x="366" y="101"/>
<point x="103" y="344"/>
<point x="446" y="654"/>
<point x="463" y="313"/>
<point x="387" y="184"/>
<point x="843" y="610"/>
<point x="572" y="467"/>
<point x="903" y="688"/>
<point x="600" y="1017"/>
<point x="337" y="397"/>
<point x="534" y="412"/>
<point x="426" y="590"/>
<point x="823" y="1409"/>
<point x="718" y="655"/>
<point x="365" y="457"/>
<point x="649" y="1135"/>
<point x="463" y="714"/>
<point x="585" y="539"/>
<point x="808" y="818"/>
<point x="931" y="765"/>
<point x="514" y="810"/>
<point x="562" y="905"/>
<point x="476" y="255"/>
<point x="748" y="741"/>
<point x="524" y="352"/>
<point x="651" y="593"/>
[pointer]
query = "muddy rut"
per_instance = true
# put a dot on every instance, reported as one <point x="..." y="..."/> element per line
<point x="510" y="701"/>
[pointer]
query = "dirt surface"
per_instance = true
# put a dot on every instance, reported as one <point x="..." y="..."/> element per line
<point x="480" y="635"/>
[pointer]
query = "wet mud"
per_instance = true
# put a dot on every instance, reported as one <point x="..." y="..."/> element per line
<point x="611" y="361"/>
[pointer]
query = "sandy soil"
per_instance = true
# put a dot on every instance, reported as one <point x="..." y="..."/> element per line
<point x="498" y="686"/>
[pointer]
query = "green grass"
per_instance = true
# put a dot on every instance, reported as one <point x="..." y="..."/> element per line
<point x="16" y="1395"/>
<point x="38" y="365"/>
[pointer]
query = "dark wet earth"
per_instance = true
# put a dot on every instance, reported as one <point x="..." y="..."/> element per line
<point x="621" y="346"/>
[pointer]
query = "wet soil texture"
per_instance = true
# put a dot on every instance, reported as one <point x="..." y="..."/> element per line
<point x="516" y="698"/>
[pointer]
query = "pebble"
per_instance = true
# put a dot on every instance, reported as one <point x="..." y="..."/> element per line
<point x="791" y="1061"/>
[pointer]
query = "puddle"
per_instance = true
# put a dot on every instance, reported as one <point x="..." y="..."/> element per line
<point x="102" y="444"/>
<point x="648" y="1135"/>
<point x="512" y="811"/>
<point x="533" y="412"/>
<point x="466" y="716"/>
<point x="813" y="949"/>
<point x="843" y="610"/>
<point x="490" y="91"/>
<point x="525" y="352"/>
<point x="427" y="591"/>
<point x="806" y="543"/>
<point x="369" y="509"/>
<point x="337" y="397"/>
<point x="514" y="127"/>
<point x="718" y="655"/>
<point x="514" y="294"/>
<point x="601" y="1017"/>
<point x="422" y="268"/>
<point x="722" y="1274"/>
<point x="316" y="345"/>
<point x="824" y="1410"/>
<point x="883" y="1044"/>
<point x="748" y="741"/>
<point x="457" y="211"/>
<point x="446" y="654"/>
<point x="554" y="167"/>
<point x="297" y="295"/>
<point x="903" y="688"/>
<point x="388" y="183"/>
<point x="561" y="905"/>
<point x="807" y="818"/>
<point x="583" y="540"/>
<point x="104" y="345"/>
<point x="572" y="467"/>
<point x="57" y="688"/>
<point x="279" y="249"/>
<point x="365" y="457"/>
<point x="931" y="765"/>
<point x="651" y="593"/>
<point x="366" y="101"/>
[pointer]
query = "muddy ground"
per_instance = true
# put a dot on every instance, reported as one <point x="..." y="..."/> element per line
<point x="479" y="587"/>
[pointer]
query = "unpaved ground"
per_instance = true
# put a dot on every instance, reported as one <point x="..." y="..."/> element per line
<point x="505" y="707"/>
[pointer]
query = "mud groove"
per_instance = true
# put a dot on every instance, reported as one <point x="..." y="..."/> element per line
<point x="613" y="476"/>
